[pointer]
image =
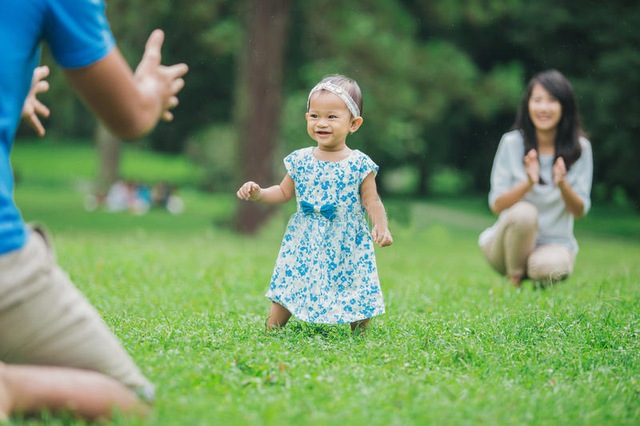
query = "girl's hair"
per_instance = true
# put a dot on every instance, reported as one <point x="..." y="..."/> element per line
<point x="347" y="84"/>
<point x="567" y="142"/>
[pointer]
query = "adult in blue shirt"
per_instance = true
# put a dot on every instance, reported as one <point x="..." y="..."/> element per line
<point x="55" y="352"/>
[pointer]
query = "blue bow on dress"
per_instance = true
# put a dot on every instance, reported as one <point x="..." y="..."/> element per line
<point x="327" y="210"/>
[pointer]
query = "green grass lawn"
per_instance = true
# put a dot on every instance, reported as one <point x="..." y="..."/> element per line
<point x="457" y="346"/>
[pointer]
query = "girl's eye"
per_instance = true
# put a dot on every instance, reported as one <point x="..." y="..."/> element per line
<point x="332" y="116"/>
<point x="313" y="115"/>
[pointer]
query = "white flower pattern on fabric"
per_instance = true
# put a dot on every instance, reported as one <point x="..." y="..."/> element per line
<point x="326" y="270"/>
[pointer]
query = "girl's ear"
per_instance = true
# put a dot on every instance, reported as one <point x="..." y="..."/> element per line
<point x="355" y="124"/>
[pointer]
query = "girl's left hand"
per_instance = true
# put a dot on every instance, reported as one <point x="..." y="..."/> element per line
<point x="32" y="107"/>
<point x="559" y="172"/>
<point x="382" y="237"/>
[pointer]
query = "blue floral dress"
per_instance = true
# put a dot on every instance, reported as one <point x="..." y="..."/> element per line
<point x="326" y="269"/>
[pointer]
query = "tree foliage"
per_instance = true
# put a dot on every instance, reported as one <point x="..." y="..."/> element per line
<point x="441" y="79"/>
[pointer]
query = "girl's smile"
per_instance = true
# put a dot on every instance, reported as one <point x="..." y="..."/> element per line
<point x="329" y="121"/>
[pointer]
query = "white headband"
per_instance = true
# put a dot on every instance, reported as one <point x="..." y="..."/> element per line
<point x="353" y="108"/>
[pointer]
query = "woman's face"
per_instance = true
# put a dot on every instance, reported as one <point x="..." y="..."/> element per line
<point x="545" y="110"/>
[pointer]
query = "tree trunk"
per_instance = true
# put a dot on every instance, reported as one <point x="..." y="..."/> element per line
<point x="424" y="177"/>
<point x="259" y="103"/>
<point x="108" y="160"/>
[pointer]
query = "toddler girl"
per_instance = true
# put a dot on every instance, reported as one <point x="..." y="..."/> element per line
<point x="326" y="269"/>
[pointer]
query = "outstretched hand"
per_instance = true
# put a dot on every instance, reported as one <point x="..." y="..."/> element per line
<point x="32" y="107"/>
<point x="156" y="80"/>
<point x="532" y="166"/>
<point x="382" y="237"/>
<point x="250" y="191"/>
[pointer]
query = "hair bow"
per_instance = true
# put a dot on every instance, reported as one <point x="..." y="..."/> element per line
<point x="327" y="210"/>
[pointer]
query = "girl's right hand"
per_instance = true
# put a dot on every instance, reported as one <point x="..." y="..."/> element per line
<point x="532" y="167"/>
<point x="250" y="191"/>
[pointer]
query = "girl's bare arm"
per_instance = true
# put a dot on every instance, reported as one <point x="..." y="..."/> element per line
<point x="373" y="204"/>
<point x="276" y="194"/>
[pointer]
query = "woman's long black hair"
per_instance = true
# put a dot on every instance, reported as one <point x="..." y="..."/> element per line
<point x="567" y="143"/>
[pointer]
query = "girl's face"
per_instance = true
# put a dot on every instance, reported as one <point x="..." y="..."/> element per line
<point x="545" y="110"/>
<point x="329" y="121"/>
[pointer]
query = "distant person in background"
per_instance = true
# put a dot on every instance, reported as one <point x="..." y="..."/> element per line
<point x="141" y="199"/>
<point x="165" y="196"/>
<point x="56" y="353"/>
<point x="136" y="198"/>
<point x="540" y="181"/>
<point x="160" y="194"/>
<point x="119" y="196"/>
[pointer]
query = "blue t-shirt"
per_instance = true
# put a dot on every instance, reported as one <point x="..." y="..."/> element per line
<point x="78" y="34"/>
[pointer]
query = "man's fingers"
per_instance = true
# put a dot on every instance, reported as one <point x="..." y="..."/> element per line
<point x="177" y="85"/>
<point x="42" y="86"/>
<point x="41" y="72"/>
<point x="36" y="125"/>
<point x="41" y="109"/>
<point x="176" y="71"/>
<point x="152" y="55"/>
<point x="167" y="116"/>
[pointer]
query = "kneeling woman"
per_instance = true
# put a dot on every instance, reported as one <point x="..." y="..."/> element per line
<point x="540" y="181"/>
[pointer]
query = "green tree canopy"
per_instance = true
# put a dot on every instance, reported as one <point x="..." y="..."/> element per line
<point x="441" y="79"/>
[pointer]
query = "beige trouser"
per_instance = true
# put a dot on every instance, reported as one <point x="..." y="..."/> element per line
<point x="512" y="251"/>
<point x="44" y="320"/>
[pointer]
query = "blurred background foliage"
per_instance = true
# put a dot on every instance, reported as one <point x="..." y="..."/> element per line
<point x="441" y="82"/>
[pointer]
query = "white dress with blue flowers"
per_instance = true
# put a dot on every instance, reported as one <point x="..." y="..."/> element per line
<point x="326" y="269"/>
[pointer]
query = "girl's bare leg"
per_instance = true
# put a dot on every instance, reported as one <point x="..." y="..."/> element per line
<point x="87" y="394"/>
<point x="278" y="316"/>
<point x="361" y="325"/>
